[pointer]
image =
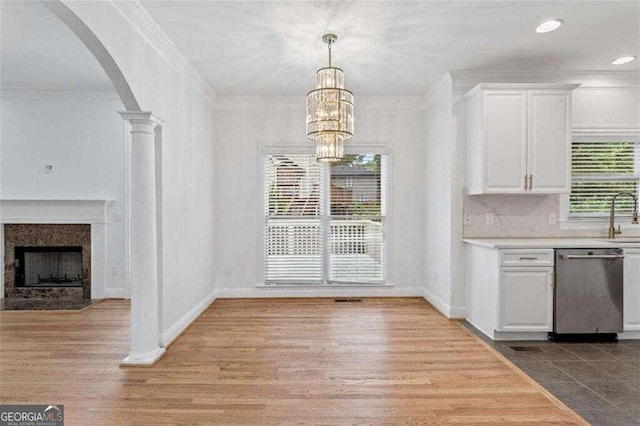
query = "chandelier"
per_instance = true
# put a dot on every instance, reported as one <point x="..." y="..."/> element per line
<point x="329" y="111"/>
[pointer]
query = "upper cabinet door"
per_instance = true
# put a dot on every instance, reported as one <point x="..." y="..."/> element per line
<point x="504" y="134"/>
<point x="549" y="144"/>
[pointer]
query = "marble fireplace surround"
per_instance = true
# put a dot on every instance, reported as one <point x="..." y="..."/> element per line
<point x="46" y="235"/>
<point x="69" y="212"/>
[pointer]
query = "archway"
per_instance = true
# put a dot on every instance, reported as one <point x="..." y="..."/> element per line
<point x="98" y="50"/>
<point x="141" y="209"/>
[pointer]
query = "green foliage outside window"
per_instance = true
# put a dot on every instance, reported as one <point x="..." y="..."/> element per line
<point x="600" y="170"/>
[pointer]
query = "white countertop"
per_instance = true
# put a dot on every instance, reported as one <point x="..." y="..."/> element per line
<point x="621" y="242"/>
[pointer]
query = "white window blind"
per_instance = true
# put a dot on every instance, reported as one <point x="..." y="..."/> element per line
<point x="294" y="221"/>
<point x="356" y="238"/>
<point x="599" y="171"/>
<point x="324" y="223"/>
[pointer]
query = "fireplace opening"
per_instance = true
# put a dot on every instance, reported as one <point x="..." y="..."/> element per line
<point x="48" y="266"/>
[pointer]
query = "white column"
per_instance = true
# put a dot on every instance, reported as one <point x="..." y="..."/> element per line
<point x="144" y="254"/>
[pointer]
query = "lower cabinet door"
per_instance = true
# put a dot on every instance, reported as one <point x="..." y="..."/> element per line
<point x="526" y="299"/>
<point x="631" y="292"/>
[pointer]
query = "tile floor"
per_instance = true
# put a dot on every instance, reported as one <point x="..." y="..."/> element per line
<point x="599" y="381"/>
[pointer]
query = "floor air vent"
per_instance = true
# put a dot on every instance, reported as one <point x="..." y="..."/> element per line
<point x="347" y="300"/>
<point x="526" y="349"/>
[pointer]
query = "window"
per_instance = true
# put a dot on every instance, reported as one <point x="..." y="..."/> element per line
<point x="324" y="224"/>
<point x="348" y="182"/>
<point x="599" y="171"/>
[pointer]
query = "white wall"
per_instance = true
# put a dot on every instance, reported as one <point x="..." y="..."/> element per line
<point x="250" y="125"/>
<point x="165" y="83"/>
<point x="439" y="196"/>
<point x="83" y="138"/>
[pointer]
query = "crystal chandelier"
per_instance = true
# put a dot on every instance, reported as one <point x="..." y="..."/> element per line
<point x="329" y="111"/>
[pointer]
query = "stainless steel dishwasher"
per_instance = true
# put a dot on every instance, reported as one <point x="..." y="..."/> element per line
<point x="588" y="292"/>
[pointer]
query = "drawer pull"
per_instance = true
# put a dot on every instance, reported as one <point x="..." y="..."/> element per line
<point x="528" y="258"/>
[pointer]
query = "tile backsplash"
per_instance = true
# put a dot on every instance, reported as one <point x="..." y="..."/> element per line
<point x="517" y="216"/>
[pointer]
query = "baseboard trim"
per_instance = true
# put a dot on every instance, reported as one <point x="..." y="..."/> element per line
<point x="507" y="336"/>
<point x="309" y="291"/>
<point x="145" y="360"/>
<point x="629" y="335"/>
<point x="180" y="326"/>
<point x="456" y="312"/>
<point x="451" y="312"/>
<point x="115" y="293"/>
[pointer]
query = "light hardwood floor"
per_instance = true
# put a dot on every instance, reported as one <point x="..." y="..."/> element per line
<point x="392" y="361"/>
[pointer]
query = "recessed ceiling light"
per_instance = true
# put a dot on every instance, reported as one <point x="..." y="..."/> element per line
<point x="548" y="26"/>
<point x="623" y="60"/>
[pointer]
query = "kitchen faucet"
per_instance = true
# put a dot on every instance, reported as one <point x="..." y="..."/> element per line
<point x="612" y="229"/>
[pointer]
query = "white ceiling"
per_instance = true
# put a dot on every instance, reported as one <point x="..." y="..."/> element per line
<point x="38" y="51"/>
<point x="385" y="47"/>
<point x="390" y="47"/>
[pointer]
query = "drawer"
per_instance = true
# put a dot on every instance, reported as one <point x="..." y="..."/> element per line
<point x="526" y="257"/>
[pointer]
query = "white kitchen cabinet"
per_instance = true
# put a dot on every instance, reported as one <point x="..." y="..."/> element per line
<point x="631" y="291"/>
<point x="549" y="141"/>
<point x="510" y="292"/>
<point x="518" y="138"/>
<point x="510" y="287"/>
<point x="526" y="299"/>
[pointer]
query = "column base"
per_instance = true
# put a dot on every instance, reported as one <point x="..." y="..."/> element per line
<point x="143" y="360"/>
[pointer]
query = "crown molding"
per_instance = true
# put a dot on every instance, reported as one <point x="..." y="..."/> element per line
<point x="59" y="93"/>
<point x="588" y="79"/>
<point x="142" y="21"/>
<point x="444" y="81"/>
<point x="297" y="103"/>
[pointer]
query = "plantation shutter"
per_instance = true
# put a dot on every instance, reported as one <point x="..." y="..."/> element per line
<point x="293" y="219"/>
<point x="356" y="235"/>
<point x="599" y="171"/>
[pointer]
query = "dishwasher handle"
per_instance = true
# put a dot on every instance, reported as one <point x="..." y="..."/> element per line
<point x="586" y="256"/>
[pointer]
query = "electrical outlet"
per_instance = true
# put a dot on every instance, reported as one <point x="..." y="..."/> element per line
<point x="467" y="219"/>
<point x="553" y="218"/>
<point x="115" y="271"/>
<point x="47" y="169"/>
<point x="490" y="218"/>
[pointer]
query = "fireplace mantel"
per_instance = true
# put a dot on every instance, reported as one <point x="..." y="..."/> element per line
<point x="63" y="211"/>
<point x="54" y="210"/>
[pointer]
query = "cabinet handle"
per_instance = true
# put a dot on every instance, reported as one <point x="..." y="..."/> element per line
<point x="530" y="182"/>
<point x="581" y="256"/>
<point x="525" y="182"/>
<point x="528" y="258"/>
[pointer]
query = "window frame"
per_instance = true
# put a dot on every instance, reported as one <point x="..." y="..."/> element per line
<point x="593" y="135"/>
<point x="309" y="149"/>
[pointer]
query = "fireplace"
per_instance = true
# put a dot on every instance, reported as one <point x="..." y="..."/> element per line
<point x="48" y="266"/>
<point x="47" y="261"/>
